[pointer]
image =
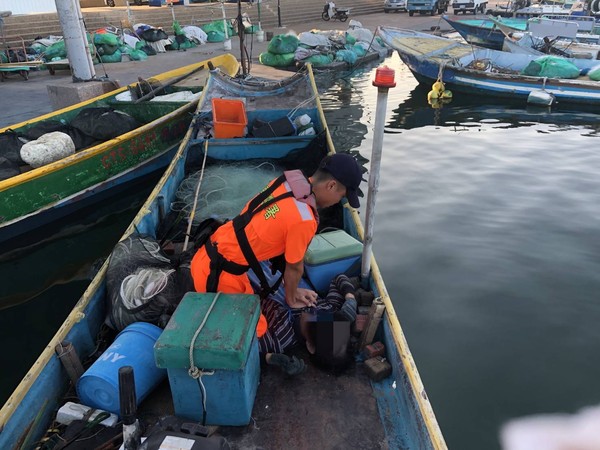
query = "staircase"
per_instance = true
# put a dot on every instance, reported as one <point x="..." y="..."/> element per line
<point x="25" y="28"/>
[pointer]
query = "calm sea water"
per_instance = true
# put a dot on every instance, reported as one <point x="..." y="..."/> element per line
<point x="488" y="236"/>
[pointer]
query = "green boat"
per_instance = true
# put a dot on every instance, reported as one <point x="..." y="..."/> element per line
<point x="36" y="197"/>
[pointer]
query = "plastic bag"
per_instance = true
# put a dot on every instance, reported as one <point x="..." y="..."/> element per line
<point x="346" y="56"/>
<point x="319" y="60"/>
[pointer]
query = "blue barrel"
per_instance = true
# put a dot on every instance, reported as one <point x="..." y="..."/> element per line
<point x="98" y="387"/>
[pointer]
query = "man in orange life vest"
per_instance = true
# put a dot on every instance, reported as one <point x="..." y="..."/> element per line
<point x="281" y="220"/>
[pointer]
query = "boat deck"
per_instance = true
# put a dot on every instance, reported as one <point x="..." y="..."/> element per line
<point x="315" y="409"/>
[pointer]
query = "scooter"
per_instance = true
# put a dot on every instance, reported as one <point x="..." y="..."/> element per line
<point x="331" y="12"/>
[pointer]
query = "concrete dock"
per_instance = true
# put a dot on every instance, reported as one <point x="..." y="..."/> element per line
<point x="24" y="99"/>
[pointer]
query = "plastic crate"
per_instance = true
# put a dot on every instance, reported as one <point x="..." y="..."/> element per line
<point x="229" y="118"/>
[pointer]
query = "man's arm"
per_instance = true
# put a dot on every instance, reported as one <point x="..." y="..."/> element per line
<point x="294" y="296"/>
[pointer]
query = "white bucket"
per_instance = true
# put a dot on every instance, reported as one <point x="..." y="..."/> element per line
<point x="260" y="36"/>
<point x="227" y="44"/>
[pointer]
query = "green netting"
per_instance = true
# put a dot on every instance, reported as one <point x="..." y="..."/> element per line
<point x="551" y="67"/>
<point x="183" y="45"/>
<point x="319" y="60"/>
<point x="350" y="39"/>
<point x="115" y="57"/>
<point x="273" y="60"/>
<point x="56" y="50"/>
<point x="594" y="73"/>
<point x="215" y="36"/>
<point x="282" y="44"/>
<point x="3" y="57"/>
<point x="139" y="44"/>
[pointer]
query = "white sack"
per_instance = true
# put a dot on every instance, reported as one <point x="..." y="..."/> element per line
<point x="47" y="148"/>
<point x="196" y="34"/>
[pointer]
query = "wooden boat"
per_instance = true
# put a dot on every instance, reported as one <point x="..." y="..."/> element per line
<point x="480" y="71"/>
<point x="39" y="196"/>
<point x="329" y="411"/>
<point x="485" y="32"/>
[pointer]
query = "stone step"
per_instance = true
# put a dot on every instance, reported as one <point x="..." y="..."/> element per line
<point x="28" y="27"/>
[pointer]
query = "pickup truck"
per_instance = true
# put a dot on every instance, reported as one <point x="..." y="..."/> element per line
<point x="431" y="7"/>
<point x="472" y="6"/>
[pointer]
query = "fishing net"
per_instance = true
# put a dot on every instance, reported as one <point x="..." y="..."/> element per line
<point x="551" y="67"/>
<point x="142" y="283"/>
<point x="225" y="189"/>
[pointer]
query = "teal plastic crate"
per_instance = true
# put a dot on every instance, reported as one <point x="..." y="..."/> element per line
<point x="330" y="254"/>
<point x="223" y="343"/>
<point x="226" y="346"/>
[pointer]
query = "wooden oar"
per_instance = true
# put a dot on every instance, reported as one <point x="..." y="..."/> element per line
<point x="168" y="83"/>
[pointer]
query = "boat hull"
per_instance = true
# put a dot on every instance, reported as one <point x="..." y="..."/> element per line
<point x="40" y="196"/>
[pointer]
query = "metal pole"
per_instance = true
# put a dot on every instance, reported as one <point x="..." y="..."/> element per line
<point x="383" y="83"/>
<point x="241" y="36"/>
<point x="279" y="13"/>
<point x="73" y="28"/>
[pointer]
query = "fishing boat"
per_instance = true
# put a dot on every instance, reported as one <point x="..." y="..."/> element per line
<point x="35" y="197"/>
<point x="491" y="32"/>
<point x="479" y="71"/>
<point x="314" y="410"/>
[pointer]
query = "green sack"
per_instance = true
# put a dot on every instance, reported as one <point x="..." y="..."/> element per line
<point x="106" y="38"/>
<point x="273" y="60"/>
<point x="113" y="58"/>
<point x="359" y="50"/>
<point x="105" y="49"/>
<point x="346" y="56"/>
<point x="350" y="39"/>
<point x="56" y="50"/>
<point x="217" y="26"/>
<point x="137" y="55"/>
<point x="215" y="36"/>
<point x="177" y="28"/>
<point x="319" y="60"/>
<point x="551" y="67"/>
<point x="139" y="44"/>
<point x="283" y="44"/>
<point x="252" y="29"/>
<point x="594" y="73"/>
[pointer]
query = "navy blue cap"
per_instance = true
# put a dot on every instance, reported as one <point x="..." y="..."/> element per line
<point x="346" y="169"/>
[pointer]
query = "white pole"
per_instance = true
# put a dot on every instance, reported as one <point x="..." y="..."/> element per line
<point x="227" y="42"/>
<point x="73" y="28"/>
<point x="383" y="83"/>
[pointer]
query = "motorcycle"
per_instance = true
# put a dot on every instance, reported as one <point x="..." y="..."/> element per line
<point x="331" y="12"/>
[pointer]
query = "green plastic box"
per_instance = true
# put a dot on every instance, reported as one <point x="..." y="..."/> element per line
<point x="225" y="339"/>
<point x="330" y="254"/>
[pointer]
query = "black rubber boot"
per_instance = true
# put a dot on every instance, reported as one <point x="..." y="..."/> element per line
<point x="289" y="365"/>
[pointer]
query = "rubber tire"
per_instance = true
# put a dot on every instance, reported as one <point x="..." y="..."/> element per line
<point x="386" y="11"/>
<point x="325" y="16"/>
<point x="343" y="18"/>
<point x="110" y="3"/>
<point x="411" y="13"/>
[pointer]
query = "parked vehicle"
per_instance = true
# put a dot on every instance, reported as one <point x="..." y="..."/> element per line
<point x="431" y="7"/>
<point x="472" y="6"/>
<point x="330" y="11"/>
<point x="394" y="6"/>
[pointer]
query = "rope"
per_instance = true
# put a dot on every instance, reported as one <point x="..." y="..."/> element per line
<point x="194" y="371"/>
<point x="193" y="212"/>
<point x="300" y="105"/>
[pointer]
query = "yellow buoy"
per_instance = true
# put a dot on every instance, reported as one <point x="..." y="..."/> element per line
<point x="438" y="86"/>
<point x="432" y="95"/>
<point x="447" y="94"/>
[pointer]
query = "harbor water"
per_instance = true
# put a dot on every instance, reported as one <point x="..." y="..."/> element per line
<point x="487" y="234"/>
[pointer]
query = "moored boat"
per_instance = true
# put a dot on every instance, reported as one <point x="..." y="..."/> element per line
<point x="33" y="197"/>
<point x="480" y="71"/>
<point x="316" y="409"/>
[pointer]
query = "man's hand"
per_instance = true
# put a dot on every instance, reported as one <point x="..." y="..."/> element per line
<point x="302" y="298"/>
